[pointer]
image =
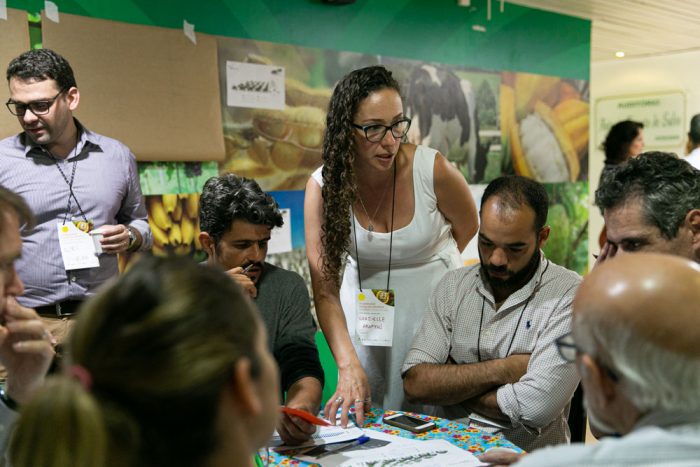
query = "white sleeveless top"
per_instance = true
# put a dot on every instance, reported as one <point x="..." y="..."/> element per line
<point x="422" y="252"/>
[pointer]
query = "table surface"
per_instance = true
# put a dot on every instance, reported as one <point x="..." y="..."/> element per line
<point x="470" y="439"/>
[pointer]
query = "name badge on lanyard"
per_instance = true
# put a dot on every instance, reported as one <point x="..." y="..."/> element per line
<point x="78" y="249"/>
<point x="375" y="317"/>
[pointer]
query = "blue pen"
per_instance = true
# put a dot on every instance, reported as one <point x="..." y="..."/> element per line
<point x="344" y="446"/>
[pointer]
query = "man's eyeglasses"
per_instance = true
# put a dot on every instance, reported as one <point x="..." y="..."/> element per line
<point x="376" y="132"/>
<point x="568" y="350"/>
<point x="37" y="107"/>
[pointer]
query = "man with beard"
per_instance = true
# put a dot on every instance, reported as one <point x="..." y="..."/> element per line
<point x="484" y="351"/>
<point x="236" y="219"/>
<point x="73" y="179"/>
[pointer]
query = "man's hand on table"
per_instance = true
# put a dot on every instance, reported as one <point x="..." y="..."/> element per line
<point x="305" y="395"/>
<point x="500" y="456"/>
<point x="293" y="430"/>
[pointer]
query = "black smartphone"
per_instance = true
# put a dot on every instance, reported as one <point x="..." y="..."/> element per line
<point x="414" y="424"/>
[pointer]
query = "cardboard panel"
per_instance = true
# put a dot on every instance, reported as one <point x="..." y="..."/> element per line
<point x="149" y="87"/>
<point x="15" y="40"/>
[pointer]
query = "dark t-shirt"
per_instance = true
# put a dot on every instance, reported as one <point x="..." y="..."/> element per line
<point x="283" y="301"/>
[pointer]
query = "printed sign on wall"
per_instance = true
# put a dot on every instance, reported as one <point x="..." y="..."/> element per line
<point x="254" y="86"/>
<point x="663" y="116"/>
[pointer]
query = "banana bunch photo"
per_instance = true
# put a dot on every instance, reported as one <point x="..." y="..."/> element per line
<point x="174" y="221"/>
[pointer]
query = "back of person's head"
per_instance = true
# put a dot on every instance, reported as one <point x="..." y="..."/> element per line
<point x="40" y="65"/>
<point x="148" y="361"/>
<point x="517" y="191"/>
<point x="619" y="139"/>
<point x="13" y="204"/>
<point x="638" y="316"/>
<point x="694" y="132"/>
<point x="228" y="197"/>
<point x="667" y="186"/>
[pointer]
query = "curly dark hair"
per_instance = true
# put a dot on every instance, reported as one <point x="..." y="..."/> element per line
<point x="515" y="191"/>
<point x="229" y="197"/>
<point x="42" y="64"/>
<point x="694" y="133"/>
<point x="667" y="186"/>
<point x="619" y="139"/>
<point x="338" y="157"/>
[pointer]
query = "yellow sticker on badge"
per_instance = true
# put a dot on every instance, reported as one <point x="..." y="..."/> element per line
<point x="361" y="297"/>
<point x="64" y="229"/>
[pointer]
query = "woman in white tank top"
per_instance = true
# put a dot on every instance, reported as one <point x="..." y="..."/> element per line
<point x="400" y="212"/>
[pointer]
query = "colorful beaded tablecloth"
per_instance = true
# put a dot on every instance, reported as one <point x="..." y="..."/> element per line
<point x="470" y="439"/>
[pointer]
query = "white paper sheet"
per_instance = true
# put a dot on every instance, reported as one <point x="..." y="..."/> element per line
<point x="3" y="9"/>
<point x="51" y="11"/>
<point x="399" y="451"/>
<point x="188" y="29"/>
<point x="323" y="435"/>
<point x="430" y="453"/>
<point x="77" y="247"/>
<point x="281" y="237"/>
<point x="254" y="86"/>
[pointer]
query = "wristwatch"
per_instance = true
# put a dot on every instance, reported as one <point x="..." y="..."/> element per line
<point x="132" y="238"/>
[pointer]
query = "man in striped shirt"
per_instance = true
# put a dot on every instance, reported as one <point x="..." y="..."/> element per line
<point x="484" y="351"/>
<point x="67" y="174"/>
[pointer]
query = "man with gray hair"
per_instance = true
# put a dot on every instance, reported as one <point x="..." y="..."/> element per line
<point x="636" y="329"/>
<point x="651" y="203"/>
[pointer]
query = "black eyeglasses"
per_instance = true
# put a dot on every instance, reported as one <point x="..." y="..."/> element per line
<point x="37" y="107"/>
<point x="566" y="347"/>
<point x="376" y="132"/>
<point x="568" y="350"/>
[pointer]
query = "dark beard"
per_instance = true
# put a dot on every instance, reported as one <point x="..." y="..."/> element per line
<point x="517" y="279"/>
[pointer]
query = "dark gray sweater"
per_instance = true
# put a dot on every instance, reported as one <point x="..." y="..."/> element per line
<point x="283" y="301"/>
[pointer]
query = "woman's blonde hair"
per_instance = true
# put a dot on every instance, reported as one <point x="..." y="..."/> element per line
<point x="158" y="346"/>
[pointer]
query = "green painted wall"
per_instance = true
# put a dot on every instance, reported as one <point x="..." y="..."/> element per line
<point x="520" y="39"/>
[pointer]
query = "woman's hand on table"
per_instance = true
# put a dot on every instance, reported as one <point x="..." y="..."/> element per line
<point x="352" y="390"/>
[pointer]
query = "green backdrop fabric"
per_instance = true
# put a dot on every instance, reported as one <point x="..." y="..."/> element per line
<point x="519" y="39"/>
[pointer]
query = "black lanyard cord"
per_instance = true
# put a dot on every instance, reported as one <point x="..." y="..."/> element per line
<point x="391" y="235"/>
<point x="71" y="193"/>
<point x="517" y="326"/>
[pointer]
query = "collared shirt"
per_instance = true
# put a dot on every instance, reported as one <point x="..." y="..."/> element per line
<point x="463" y="323"/>
<point x="106" y="185"/>
<point x="694" y="158"/>
<point x="657" y="439"/>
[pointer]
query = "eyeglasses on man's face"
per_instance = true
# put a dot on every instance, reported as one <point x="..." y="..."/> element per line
<point x="376" y="132"/>
<point x="41" y="107"/>
<point x="568" y="350"/>
<point x="567" y="347"/>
